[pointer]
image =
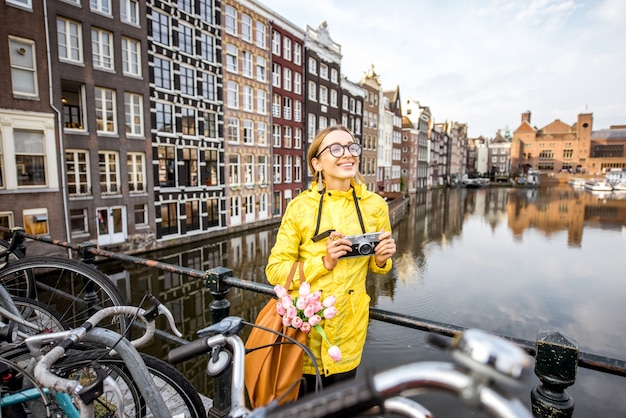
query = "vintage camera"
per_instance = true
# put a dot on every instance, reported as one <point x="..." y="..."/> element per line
<point x="362" y="244"/>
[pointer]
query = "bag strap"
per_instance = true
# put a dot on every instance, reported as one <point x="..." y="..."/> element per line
<point x="292" y="273"/>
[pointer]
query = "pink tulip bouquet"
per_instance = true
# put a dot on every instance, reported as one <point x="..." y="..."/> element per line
<point x="307" y="311"/>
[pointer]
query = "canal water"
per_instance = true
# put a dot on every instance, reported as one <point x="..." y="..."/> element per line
<point x="513" y="261"/>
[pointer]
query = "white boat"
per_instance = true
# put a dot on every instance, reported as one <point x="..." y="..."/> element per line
<point x="576" y="182"/>
<point x="596" y="185"/>
<point x="532" y="178"/>
<point x="620" y="187"/>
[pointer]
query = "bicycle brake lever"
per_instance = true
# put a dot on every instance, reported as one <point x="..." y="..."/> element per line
<point x="160" y="309"/>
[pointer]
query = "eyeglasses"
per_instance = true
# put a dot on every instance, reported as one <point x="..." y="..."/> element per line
<point x="337" y="150"/>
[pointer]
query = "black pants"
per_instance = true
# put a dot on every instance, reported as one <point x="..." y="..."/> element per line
<point x="308" y="385"/>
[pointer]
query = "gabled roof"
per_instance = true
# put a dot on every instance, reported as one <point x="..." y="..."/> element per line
<point x="556" y="127"/>
<point x="499" y="139"/>
<point x="525" y="128"/>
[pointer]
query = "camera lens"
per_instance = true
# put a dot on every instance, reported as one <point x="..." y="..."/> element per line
<point x="366" y="249"/>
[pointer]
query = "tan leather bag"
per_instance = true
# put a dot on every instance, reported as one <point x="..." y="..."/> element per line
<point x="274" y="372"/>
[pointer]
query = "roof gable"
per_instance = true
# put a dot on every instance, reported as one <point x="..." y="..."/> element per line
<point x="556" y="127"/>
<point x="525" y="128"/>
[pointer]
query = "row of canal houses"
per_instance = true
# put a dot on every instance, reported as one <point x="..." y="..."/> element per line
<point x="138" y="125"/>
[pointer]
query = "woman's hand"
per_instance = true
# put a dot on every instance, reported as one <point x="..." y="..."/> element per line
<point x="385" y="249"/>
<point x="336" y="246"/>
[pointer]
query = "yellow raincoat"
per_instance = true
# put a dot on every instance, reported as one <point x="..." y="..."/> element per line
<point x="346" y="281"/>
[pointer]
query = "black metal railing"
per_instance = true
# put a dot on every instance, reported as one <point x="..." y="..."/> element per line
<point x="557" y="357"/>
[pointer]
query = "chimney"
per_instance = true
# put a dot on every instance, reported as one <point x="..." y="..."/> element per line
<point x="526" y="117"/>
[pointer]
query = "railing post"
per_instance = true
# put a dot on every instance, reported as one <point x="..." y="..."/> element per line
<point x="89" y="258"/>
<point x="556" y="363"/>
<point x="220" y="309"/>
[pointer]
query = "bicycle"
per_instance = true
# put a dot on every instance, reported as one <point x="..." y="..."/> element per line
<point x="133" y="372"/>
<point x="484" y="363"/>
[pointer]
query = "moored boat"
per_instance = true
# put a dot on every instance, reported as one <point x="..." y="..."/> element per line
<point x="576" y="182"/>
<point x="596" y="185"/>
<point x="620" y="187"/>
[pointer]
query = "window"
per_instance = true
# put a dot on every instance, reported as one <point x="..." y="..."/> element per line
<point x="190" y="163"/>
<point x="276" y="43"/>
<point x="109" y="172"/>
<point x="162" y="73"/>
<point x="72" y="99"/>
<point x="105" y="110"/>
<point x="312" y="65"/>
<point x="278" y="167"/>
<point x="246" y="64"/>
<point x="287" y="48"/>
<point x="246" y="27"/>
<point x="261" y="133"/>
<point x="287" y="108"/>
<point x="297" y="54"/>
<point x="29" y="157"/>
<point x="164" y="117"/>
<point x="23" y="3"/>
<point x="276" y="136"/>
<point x="248" y="169"/>
<point x="169" y="218"/>
<point x="334" y="77"/>
<point x="133" y="113"/>
<point x="249" y="204"/>
<point x="231" y="58"/>
<point x="141" y="214"/>
<point x="312" y="122"/>
<point x="248" y="98"/>
<point x="261" y="69"/>
<point x="129" y="11"/>
<point x="276" y="75"/>
<point x="23" y="68"/>
<point x="276" y="104"/>
<point x="248" y="132"/>
<point x="297" y="83"/>
<point x="233" y="130"/>
<point x="79" y="223"/>
<point x="262" y="169"/>
<point x="297" y="138"/>
<point x="287" y="79"/>
<point x="36" y="221"/>
<point x="131" y="57"/>
<point x="192" y="213"/>
<point x="209" y="126"/>
<point x="69" y="40"/>
<point x="297" y="169"/>
<point x="77" y="172"/>
<point x="312" y="91"/>
<point x="231" y="20"/>
<point x="261" y="102"/>
<point x="167" y="165"/>
<point x="160" y="28"/>
<point x="324" y="71"/>
<point x="102" y="6"/>
<point x="208" y="86"/>
<point x="333" y="98"/>
<point x="185" y="39"/>
<point x="213" y="212"/>
<point x="207" y="47"/>
<point x="210" y="157"/>
<point x="232" y="95"/>
<point x="324" y="95"/>
<point x="287" y="137"/>
<point x="102" y="49"/>
<point x="206" y="11"/>
<point x="187" y="81"/>
<point x="568" y="154"/>
<point x="233" y="170"/>
<point x="186" y="6"/>
<point x="288" y="160"/>
<point x="261" y="33"/>
<point x="188" y="121"/>
<point x="136" y="162"/>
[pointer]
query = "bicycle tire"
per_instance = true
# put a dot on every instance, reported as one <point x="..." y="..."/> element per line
<point x="70" y="287"/>
<point x="23" y="285"/>
<point x="179" y="394"/>
<point x="43" y="318"/>
<point x="15" y="379"/>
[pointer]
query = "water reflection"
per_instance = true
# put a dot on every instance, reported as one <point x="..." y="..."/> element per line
<point x="512" y="261"/>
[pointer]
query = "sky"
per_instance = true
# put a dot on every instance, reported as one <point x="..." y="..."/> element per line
<point x="484" y="62"/>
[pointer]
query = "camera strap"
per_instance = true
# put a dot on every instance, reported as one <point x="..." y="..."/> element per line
<point x="317" y="236"/>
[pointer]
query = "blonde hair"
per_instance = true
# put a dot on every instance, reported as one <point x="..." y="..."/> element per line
<point x="317" y="142"/>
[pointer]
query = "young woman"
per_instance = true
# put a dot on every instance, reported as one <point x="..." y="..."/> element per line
<point x="319" y="228"/>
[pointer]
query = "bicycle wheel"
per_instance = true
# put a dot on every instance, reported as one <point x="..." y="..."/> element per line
<point x="20" y="285"/>
<point x="21" y="396"/>
<point x="179" y="394"/>
<point x="73" y="289"/>
<point x="41" y="318"/>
